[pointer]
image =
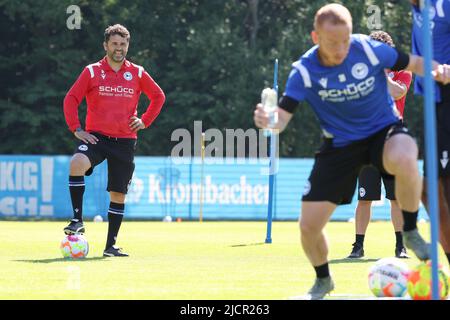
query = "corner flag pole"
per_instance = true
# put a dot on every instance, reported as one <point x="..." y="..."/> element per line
<point x="430" y="147"/>
<point x="272" y="166"/>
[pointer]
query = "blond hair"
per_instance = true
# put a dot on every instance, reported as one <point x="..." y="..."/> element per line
<point x="334" y="13"/>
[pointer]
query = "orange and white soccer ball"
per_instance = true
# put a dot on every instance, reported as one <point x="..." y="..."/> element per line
<point x="74" y="246"/>
<point x="419" y="282"/>
<point x="388" y="277"/>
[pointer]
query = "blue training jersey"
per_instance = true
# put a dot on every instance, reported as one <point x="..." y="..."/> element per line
<point x="351" y="100"/>
<point x="440" y="28"/>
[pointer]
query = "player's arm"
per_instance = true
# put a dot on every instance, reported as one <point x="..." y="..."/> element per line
<point x="397" y="60"/>
<point x="396" y="90"/>
<point x="157" y="98"/>
<point x="288" y="103"/>
<point x="399" y="86"/>
<point x="72" y="101"/>
<point x="261" y="118"/>
<point x="441" y="72"/>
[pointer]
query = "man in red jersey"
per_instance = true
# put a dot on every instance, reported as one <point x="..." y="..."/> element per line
<point x="112" y="88"/>
<point x="369" y="179"/>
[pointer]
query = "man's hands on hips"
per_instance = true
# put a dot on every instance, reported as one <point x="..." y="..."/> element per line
<point x="136" y="124"/>
<point x="86" y="137"/>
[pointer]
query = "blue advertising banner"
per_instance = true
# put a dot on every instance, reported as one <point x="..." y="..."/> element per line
<point x="36" y="187"/>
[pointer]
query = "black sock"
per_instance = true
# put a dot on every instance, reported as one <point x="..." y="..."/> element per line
<point x="322" y="271"/>
<point x="76" y="188"/>
<point x="115" y="216"/>
<point x="360" y="239"/>
<point x="448" y="257"/>
<point x="398" y="239"/>
<point x="410" y="220"/>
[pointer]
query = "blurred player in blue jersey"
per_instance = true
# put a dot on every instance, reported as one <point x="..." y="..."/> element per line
<point x="343" y="80"/>
<point x="440" y="25"/>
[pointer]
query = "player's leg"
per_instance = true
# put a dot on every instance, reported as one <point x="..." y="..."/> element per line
<point x="444" y="213"/>
<point x="363" y="214"/>
<point x="362" y="218"/>
<point x="444" y="216"/>
<point x="120" y="171"/>
<point x="332" y="182"/>
<point x="369" y="189"/>
<point x="397" y="222"/>
<point x="443" y="124"/>
<point x="443" y="138"/>
<point x="400" y="159"/>
<point x="313" y="219"/>
<point x="115" y="217"/>
<point x="82" y="162"/>
<point x="396" y="216"/>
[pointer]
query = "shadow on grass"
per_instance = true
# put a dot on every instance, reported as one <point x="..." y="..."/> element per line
<point x="349" y="260"/>
<point x="247" y="244"/>
<point x="61" y="260"/>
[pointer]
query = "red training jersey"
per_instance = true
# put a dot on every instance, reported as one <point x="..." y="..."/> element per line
<point x="112" y="98"/>
<point x="401" y="77"/>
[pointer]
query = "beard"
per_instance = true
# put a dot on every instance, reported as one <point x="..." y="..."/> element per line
<point x="116" y="56"/>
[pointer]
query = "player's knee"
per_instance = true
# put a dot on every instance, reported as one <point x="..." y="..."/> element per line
<point x="403" y="162"/>
<point x="407" y="165"/>
<point x="117" y="197"/>
<point x="400" y="148"/>
<point x="79" y="164"/>
<point x="308" y="228"/>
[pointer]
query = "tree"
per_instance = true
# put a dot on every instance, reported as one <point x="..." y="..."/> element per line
<point x="212" y="58"/>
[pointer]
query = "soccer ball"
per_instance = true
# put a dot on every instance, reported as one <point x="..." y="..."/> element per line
<point x="420" y="285"/>
<point x="98" y="218"/>
<point x="74" y="246"/>
<point x="388" y="277"/>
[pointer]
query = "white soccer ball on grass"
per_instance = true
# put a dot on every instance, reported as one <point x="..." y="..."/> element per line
<point x="388" y="277"/>
<point x="98" y="218"/>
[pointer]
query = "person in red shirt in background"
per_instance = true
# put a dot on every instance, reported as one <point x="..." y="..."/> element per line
<point x="112" y="88"/>
<point x="369" y="179"/>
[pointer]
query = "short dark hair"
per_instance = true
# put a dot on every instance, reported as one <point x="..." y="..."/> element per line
<point x="382" y="37"/>
<point x="117" y="29"/>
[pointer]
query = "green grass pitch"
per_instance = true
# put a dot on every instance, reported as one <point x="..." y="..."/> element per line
<point x="184" y="260"/>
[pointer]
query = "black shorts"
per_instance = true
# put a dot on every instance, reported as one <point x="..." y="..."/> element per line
<point x="443" y="133"/>
<point x="119" y="152"/>
<point x="335" y="171"/>
<point x="369" y="184"/>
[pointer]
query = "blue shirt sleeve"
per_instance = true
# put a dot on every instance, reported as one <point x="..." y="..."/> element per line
<point x="386" y="54"/>
<point x="295" y="88"/>
<point x="446" y="9"/>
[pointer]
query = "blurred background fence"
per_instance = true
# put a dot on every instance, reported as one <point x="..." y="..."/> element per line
<point x="36" y="187"/>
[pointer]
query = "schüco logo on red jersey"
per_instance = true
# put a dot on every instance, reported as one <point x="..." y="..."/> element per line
<point x="118" y="89"/>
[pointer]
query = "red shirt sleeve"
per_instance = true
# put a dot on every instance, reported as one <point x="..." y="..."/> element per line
<point x="156" y="96"/>
<point x="73" y="99"/>
<point x="403" y="77"/>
